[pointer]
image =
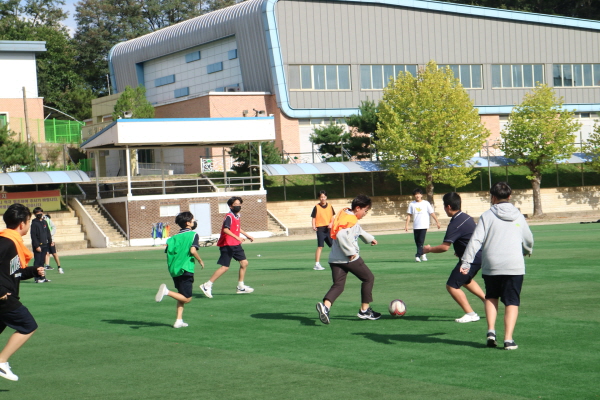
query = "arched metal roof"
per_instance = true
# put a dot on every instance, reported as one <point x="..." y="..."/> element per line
<point x="41" y="178"/>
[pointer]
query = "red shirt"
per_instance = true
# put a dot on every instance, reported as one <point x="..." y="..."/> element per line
<point x="232" y="222"/>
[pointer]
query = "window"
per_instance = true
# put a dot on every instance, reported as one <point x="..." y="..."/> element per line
<point x="169" y="211"/>
<point x="3" y="120"/>
<point x="576" y="75"/>
<point x="376" y="77"/>
<point x="468" y="75"/>
<point x="232" y="54"/>
<point x="165" y="80"/>
<point x="194" y="56"/>
<point x="182" y="92"/>
<point x="216" y="67"/>
<point x="319" y="77"/>
<point x="517" y="75"/>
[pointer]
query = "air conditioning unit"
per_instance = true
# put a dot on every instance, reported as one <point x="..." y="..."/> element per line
<point x="233" y="89"/>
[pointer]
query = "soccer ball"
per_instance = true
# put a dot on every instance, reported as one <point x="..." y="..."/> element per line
<point x="397" y="308"/>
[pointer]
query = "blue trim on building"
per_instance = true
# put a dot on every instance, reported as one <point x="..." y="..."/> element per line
<point x="139" y="71"/>
<point x="26" y="46"/>
<point x="111" y="71"/>
<point x="276" y="58"/>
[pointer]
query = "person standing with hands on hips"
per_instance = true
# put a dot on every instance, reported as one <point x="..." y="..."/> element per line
<point x="322" y="221"/>
<point x="230" y="246"/>
<point x="420" y="210"/>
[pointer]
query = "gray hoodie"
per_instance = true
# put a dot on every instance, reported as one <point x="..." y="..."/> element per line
<point x="346" y="243"/>
<point x="504" y="238"/>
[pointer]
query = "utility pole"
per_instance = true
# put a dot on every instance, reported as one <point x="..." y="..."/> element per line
<point x="26" y="119"/>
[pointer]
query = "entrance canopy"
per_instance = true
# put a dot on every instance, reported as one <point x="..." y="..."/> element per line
<point x="181" y="132"/>
<point x="41" y="178"/>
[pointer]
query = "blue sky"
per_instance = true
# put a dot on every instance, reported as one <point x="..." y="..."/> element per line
<point x="70" y="21"/>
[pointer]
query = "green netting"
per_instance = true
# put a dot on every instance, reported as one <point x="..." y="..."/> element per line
<point x="59" y="131"/>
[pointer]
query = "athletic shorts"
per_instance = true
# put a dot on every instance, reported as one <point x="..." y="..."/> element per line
<point x="504" y="287"/>
<point x="323" y="236"/>
<point x="20" y="320"/>
<point x="52" y="249"/>
<point x="456" y="279"/>
<point x="184" y="284"/>
<point x="229" y="252"/>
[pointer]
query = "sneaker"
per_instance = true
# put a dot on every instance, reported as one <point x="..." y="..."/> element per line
<point x="60" y="270"/>
<point x="423" y="257"/>
<point x="417" y="259"/>
<point x="180" y="324"/>
<point x="467" y="318"/>
<point x="40" y="280"/>
<point x="207" y="290"/>
<point x="162" y="292"/>
<point x="48" y="268"/>
<point x="5" y="372"/>
<point x="510" y="345"/>
<point x="491" y="339"/>
<point x="244" y="289"/>
<point x="318" y="267"/>
<point x="323" y="313"/>
<point x="369" y="314"/>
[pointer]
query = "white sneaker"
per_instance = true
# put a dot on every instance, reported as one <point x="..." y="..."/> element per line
<point x="61" y="271"/>
<point x="318" y="267"/>
<point x="423" y="257"/>
<point x="417" y="259"/>
<point x="5" y="372"/>
<point x="244" y="289"/>
<point x="162" y="292"/>
<point x="207" y="290"/>
<point x="180" y="324"/>
<point x="467" y="318"/>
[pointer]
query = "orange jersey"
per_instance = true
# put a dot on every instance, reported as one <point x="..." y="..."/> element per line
<point x="323" y="215"/>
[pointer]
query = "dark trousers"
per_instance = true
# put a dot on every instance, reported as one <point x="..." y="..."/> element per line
<point x="419" y="240"/>
<point x="39" y="259"/>
<point x="358" y="268"/>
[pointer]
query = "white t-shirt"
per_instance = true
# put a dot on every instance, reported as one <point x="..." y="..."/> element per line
<point x="420" y="212"/>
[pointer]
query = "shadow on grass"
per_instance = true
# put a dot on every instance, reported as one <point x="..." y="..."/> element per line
<point x="432" y="318"/>
<point x="292" y="317"/>
<point x="426" y="338"/>
<point x="134" y="324"/>
<point x="281" y="269"/>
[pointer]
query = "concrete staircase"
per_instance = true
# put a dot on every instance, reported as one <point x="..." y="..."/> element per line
<point x="108" y="227"/>
<point x="275" y="227"/>
<point x="69" y="233"/>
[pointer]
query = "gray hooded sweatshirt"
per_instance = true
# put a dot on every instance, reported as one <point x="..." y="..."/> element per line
<point x="504" y="238"/>
<point x="346" y="243"/>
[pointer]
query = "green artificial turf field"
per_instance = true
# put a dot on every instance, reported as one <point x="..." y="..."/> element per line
<point x="102" y="335"/>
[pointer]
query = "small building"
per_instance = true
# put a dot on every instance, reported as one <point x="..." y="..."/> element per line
<point x="19" y="81"/>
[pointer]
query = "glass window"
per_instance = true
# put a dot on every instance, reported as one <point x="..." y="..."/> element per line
<point x="216" y="67"/>
<point x="576" y="75"/>
<point x="182" y="92"/>
<point x="567" y="75"/>
<point x="3" y="120"/>
<point x="596" y="68"/>
<point x="468" y="75"/>
<point x="344" y="77"/>
<point x="365" y="77"/>
<point x="377" y="76"/>
<point x="412" y="69"/>
<point x="194" y="56"/>
<point x="332" y="77"/>
<point x="169" y="211"/>
<point x="557" y="74"/>
<point x="517" y="75"/>
<point x="465" y="76"/>
<point x="587" y="75"/>
<point x="319" y="77"/>
<point x="294" y="76"/>
<point x="232" y="54"/>
<point x="165" y="80"/>
<point x="388" y="73"/>
<point x="476" y="76"/>
<point x="305" y="71"/>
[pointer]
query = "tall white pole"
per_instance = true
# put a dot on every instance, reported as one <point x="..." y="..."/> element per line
<point x="128" y="163"/>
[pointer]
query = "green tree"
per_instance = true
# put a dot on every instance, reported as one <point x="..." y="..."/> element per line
<point x="592" y="148"/>
<point x="13" y="152"/>
<point x="246" y="154"/>
<point x="331" y="139"/>
<point x="539" y="133"/>
<point x="364" y="122"/>
<point x="429" y="129"/>
<point x="133" y="101"/>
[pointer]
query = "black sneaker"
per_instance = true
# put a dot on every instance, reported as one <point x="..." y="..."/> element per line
<point x="491" y="339"/>
<point x="510" y="345"/>
<point x="48" y="268"/>
<point x="369" y="314"/>
<point x="323" y="313"/>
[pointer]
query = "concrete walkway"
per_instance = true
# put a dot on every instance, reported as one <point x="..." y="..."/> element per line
<point x="532" y="222"/>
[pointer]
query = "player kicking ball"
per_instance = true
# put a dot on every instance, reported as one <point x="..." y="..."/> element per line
<point x="459" y="232"/>
<point x="344" y="257"/>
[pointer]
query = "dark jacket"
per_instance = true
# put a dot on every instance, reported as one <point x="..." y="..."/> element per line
<point x="11" y="275"/>
<point x="40" y="233"/>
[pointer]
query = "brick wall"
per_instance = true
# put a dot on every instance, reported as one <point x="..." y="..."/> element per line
<point x="254" y="214"/>
<point x="16" y="118"/>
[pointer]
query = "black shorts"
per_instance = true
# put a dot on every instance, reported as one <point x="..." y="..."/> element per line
<point x="323" y="236"/>
<point x="456" y="279"/>
<point x="229" y="252"/>
<point x="52" y="249"/>
<point x="20" y="320"/>
<point x="504" y="287"/>
<point x="184" y="284"/>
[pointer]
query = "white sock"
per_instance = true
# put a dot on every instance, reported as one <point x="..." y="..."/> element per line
<point x="241" y="284"/>
<point x="318" y="263"/>
<point x="178" y="320"/>
<point x="363" y="311"/>
<point x="166" y="292"/>
<point x="209" y="284"/>
<point x="472" y="313"/>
